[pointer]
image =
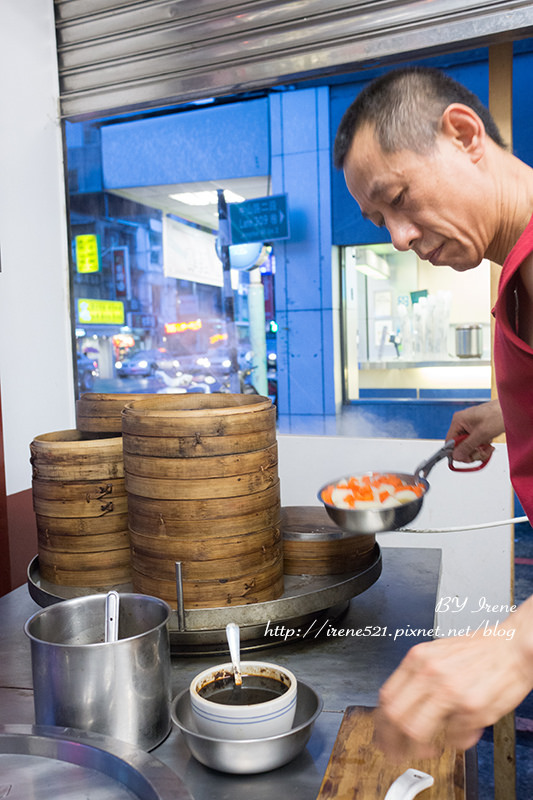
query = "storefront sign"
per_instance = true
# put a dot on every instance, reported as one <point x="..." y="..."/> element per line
<point x="189" y="254"/>
<point x="100" y="312"/>
<point x="179" y="327"/>
<point x="121" y="269"/>
<point x="87" y="253"/>
<point x="259" y="220"/>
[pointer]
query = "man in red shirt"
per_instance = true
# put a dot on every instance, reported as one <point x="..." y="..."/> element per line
<point x="422" y="156"/>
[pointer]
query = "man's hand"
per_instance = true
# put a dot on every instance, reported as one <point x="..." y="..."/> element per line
<point x="481" y="424"/>
<point x="456" y="687"/>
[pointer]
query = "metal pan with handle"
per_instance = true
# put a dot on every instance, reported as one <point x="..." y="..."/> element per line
<point x="364" y="521"/>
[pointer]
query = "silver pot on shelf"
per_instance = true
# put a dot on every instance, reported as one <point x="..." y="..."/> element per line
<point x="469" y="341"/>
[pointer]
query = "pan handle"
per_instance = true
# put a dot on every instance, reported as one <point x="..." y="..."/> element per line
<point x="446" y="451"/>
<point x="423" y="469"/>
<point x="485" y="448"/>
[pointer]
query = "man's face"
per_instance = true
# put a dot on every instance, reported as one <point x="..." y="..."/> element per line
<point x="427" y="202"/>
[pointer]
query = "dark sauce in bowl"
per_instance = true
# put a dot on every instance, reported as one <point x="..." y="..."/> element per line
<point x="254" y="689"/>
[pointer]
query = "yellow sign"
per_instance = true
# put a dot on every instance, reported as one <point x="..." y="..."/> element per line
<point x="87" y="253"/>
<point x="100" y="312"/>
<point x="179" y="327"/>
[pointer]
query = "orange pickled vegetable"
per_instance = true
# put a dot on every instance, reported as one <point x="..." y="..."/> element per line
<point x="371" y="490"/>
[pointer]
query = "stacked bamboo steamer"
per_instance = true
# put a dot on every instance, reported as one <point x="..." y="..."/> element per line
<point x="80" y="503"/>
<point x="203" y="489"/>
<point x="313" y="544"/>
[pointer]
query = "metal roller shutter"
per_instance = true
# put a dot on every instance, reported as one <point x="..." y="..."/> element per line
<point x="133" y="54"/>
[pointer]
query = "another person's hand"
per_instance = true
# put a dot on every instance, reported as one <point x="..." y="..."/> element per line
<point x="455" y="687"/>
<point x="481" y="424"/>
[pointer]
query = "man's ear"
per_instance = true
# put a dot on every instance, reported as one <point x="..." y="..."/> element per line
<point x="465" y="128"/>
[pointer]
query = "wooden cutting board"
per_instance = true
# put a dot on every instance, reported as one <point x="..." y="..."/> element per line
<point x="357" y="770"/>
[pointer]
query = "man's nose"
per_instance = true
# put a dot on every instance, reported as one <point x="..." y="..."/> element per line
<point x="403" y="234"/>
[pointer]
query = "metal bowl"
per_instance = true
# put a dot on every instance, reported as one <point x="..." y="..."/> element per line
<point x="247" y="756"/>
<point x="356" y="522"/>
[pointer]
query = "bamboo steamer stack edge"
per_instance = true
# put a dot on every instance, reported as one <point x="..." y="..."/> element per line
<point x="201" y="477"/>
<point x="80" y="504"/>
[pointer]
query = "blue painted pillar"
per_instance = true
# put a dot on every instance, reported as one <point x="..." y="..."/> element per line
<point x="300" y="166"/>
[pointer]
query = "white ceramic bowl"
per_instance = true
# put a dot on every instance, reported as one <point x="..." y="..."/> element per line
<point x="251" y="721"/>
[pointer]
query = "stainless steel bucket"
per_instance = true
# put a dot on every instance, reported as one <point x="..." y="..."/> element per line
<point x="469" y="341"/>
<point x="122" y="688"/>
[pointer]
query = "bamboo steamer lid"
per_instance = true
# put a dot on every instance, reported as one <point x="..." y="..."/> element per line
<point x="99" y="412"/>
<point x="308" y="548"/>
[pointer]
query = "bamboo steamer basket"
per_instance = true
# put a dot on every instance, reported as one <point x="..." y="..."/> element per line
<point x="198" y="445"/>
<point x="312" y="552"/>
<point x="55" y="455"/>
<point x="83" y="526"/>
<point x="99" y="412"/>
<point x="207" y="467"/>
<point x="202" y="480"/>
<point x="257" y="587"/>
<point x="157" y="521"/>
<point x="92" y="543"/>
<point x="80" y="503"/>
<point x="215" y="511"/>
<point x="196" y="548"/>
<point x="205" y="569"/>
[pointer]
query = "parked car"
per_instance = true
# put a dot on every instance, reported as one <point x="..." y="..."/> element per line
<point x="145" y="363"/>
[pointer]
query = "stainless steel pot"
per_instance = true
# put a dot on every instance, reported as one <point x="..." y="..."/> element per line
<point x="469" y="341"/>
<point x="119" y="688"/>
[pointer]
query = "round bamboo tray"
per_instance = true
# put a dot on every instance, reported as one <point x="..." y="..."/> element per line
<point x="313" y="545"/>
<point x="98" y="412"/>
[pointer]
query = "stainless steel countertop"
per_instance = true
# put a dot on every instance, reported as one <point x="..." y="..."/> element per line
<point x="345" y="669"/>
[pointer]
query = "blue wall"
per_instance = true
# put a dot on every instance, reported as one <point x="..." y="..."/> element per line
<point x="227" y="141"/>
